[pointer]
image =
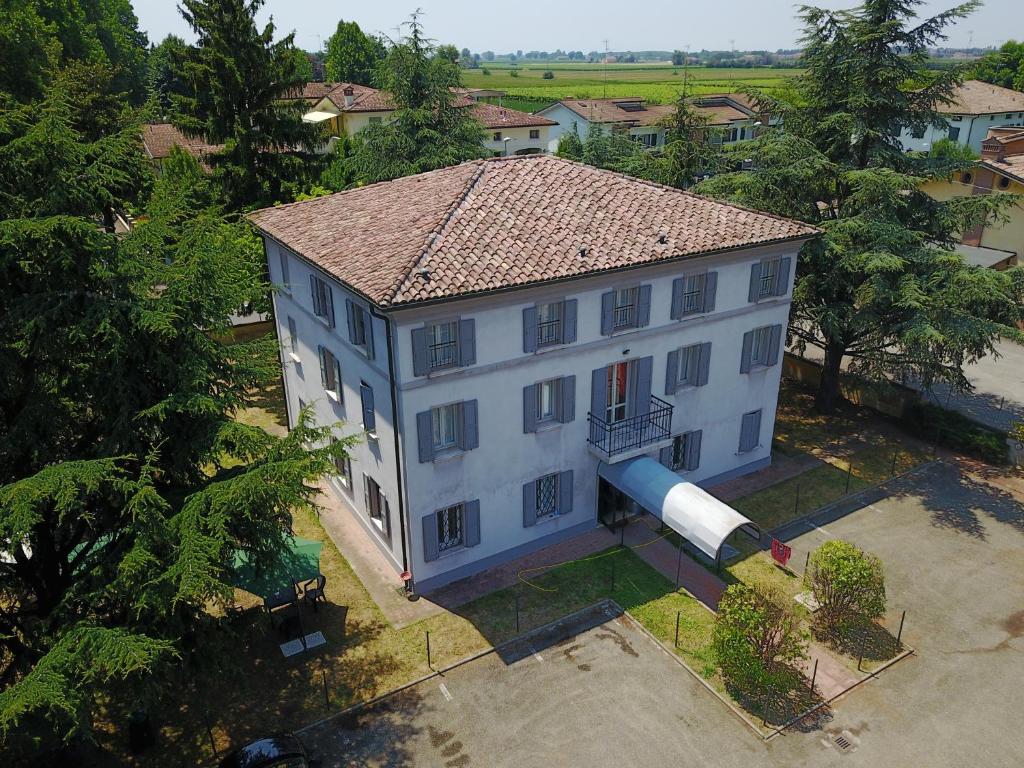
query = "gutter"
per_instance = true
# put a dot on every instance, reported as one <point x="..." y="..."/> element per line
<point x="399" y="474"/>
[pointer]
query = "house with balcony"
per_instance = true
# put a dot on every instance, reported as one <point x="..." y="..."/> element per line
<point x="733" y="117"/>
<point x="975" y="107"/>
<point x="346" y="108"/>
<point x="530" y="347"/>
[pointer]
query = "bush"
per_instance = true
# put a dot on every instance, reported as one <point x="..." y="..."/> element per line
<point x="548" y="75"/>
<point x="485" y="71"/>
<point x="513" y="73"/>
<point x="757" y="638"/>
<point x="849" y="586"/>
<point x="954" y="430"/>
<point x="569" y="146"/>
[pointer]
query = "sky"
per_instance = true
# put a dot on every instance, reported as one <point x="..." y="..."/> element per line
<point x="580" y="24"/>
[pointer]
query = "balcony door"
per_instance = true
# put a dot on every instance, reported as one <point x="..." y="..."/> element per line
<point x="618" y="392"/>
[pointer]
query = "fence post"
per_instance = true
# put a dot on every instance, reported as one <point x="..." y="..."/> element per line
<point x="807" y="562"/>
<point x="516" y="595"/>
<point x="678" y="614"/>
<point x="849" y="472"/>
<point x="796" y="506"/>
<point x="895" y="455"/>
<point x="899" y="634"/>
<point x="209" y="732"/>
<point x="431" y="666"/>
<point x="613" y="574"/>
<point x="814" y="675"/>
<point x="327" y="697"/>
<point x="860" y="653"/>
<point x="764" y="708"/>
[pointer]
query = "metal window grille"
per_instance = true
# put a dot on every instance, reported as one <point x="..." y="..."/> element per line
<point x="769" y="269"/>
<point x="678" y="451"/>
<point x="444" y="345"/>
<point x="449" y="528"/>
<point x="624" y="315"/>
<point x="549" y="324"/>
<point x="693" y="294"/>
<point x="547" y="495"/>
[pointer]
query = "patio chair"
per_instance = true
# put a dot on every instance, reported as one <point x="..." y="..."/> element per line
<point x="314" y="593"/>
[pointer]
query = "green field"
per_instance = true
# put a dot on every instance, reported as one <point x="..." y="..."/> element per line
<point x="658" y="83"/>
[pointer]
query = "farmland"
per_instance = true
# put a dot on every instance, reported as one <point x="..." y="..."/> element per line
<point x="658" y="83"/>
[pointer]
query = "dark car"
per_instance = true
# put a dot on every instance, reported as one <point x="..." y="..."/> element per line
<point x="282" y="750"/>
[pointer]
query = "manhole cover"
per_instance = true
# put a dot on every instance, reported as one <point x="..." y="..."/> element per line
<point x="844" y="741"/>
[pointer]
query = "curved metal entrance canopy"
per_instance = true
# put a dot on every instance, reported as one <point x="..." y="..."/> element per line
<point x="690" y="511"/>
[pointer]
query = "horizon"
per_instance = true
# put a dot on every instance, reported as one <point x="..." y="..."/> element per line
<point x="751" y="25"/>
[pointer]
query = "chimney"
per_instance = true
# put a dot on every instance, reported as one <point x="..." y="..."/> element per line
<point x="992" y="149"/>
<point x="350" y="95"/>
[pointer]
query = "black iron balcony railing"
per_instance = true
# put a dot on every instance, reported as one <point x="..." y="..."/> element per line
<point x="616" y="437"/>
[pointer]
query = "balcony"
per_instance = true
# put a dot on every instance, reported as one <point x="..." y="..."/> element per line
<point x="613" y="440"/>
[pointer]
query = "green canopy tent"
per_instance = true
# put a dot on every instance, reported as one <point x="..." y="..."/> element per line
<point x="299" y="562"/>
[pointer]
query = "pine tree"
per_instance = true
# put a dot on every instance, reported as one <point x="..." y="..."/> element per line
<point x="882" y="292"/>
<point x="237" y="76"/>
<point x="429" y="129"/>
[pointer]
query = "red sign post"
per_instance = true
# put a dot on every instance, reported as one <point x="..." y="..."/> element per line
<point x="781" y="552"/>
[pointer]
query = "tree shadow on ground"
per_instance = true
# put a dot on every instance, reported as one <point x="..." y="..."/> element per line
<point x="868" y="640"/>
<point x="791" y="696"/>
<point x="959" y="501"/>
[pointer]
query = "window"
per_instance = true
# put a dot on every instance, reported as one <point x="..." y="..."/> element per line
<point x="534" y="133"/>
<point x="918" y="132"/>
<point x="693" y="294"/>
<point x="497" y="135"/>
<point x="548" y="396"/>
<point x="450" y="528"/>
<point x="323" y="300"/>
<point x="1004" y="183"/>
<point x="625" y="308"/>
<point x="760" y="349"/>
<point x="330" y="374"/>
<point x="750" y="431"/>
<point x="374" y="120"/>
<point x="549" y="324"/>
<point x="358" y="336"/>
<point x="377" y="506"/>
<point x="293" y="339"/>
<point x="445" y="426"/>
<point x="769" y="273"/>
<point x="369" y="414"/>
<point x="954" y="133"/>
<point x="966" y="177"/>
<point x="547" y="495"/>
<point x="617" y="392"/>
<point x="443" y="341"/>
<point x="285" y="281"/>
<point x="344" y="468"/>
<point x="647" y="139"/>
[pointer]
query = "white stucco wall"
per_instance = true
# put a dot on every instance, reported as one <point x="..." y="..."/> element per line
<point x="973" y="129"/>
<point x="520" y="139"/>
<point x="375" y="458"/>
<point x="506" y="458"/>
<point x="566" y="119"/>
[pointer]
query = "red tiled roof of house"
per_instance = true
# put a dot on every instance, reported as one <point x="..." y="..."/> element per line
<point x="500" y="223"/>
<point x="493" y="116"/>
<point x="364" y="98"/>
<point x="158" y="138"/>
<point x="1011" y="165"/>
<point x="977" y="98"/>
<point x="622" y="110"/>
<point x="311" y="92"/>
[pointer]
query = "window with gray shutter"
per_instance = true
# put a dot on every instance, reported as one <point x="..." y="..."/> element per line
<point x="323" y="300"/>
<point x="745" y="354"/>
<point x="567" y="403"/>
<point x="467" y="342"/>
<point x="565" y="492"/>
<point x="330" y="373"/>
<point x="710" y="291"/>
<point x="530" y="335"/>
<point x="472" y="513"/>
<point x="672" y="372"/>
<point x="704" y="365"/>
<point x="430" y="550"/>
<point x="688" y="367"/>
<point x="684" y="453"/>
<point x="470" y="430"/>
<point x="761" y="348"/>
<point x="366" y="399"/>
<point x="529" y="504"/>
<point x="569" y="321"/>
<point x="769" y="277"/>
<point x="446" y="344"/>
<point x="607" y="313"/>
<point x="420" y="361"/>
<point x="754" y="292"/>
<point x="360" y="327"/>
<point x="782" y="279"/>
<point x="643" y="308"/>
<point x="285" y="272"/>
<point x="690" y="295"/>
<point x="425" y="436"/>
<point x="642" y="391"/>
<point x="750" y="431"/>
<point x="529" y="409"/>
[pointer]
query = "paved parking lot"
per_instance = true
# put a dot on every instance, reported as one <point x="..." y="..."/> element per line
<point x="953" y="547"/>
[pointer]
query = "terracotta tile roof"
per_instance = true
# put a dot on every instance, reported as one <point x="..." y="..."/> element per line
<point x="158" y="138"/>
<point x="364" y="98"/>
<point x="619" y="110"/>
<point x="720" y="114"/>
<point x="311" y="92"/>
<point x="1011" y="165"/>
<point x="493" y="116"/>
<point x="505" y="222"/>
<point x="977" y="98"/>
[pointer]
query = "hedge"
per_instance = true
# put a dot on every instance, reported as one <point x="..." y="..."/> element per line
<point x="955" y="431"/>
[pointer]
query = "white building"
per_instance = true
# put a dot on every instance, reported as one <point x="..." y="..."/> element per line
<point x="732" y="115"/>
<point x="504" y="328"/>
<point x="975" y="108"/>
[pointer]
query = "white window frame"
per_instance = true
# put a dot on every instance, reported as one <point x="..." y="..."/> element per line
<point x="456" y="513"/>
<point x="553" y="390"/>
<point x="760" y="347"/>
<point x="684" y="375"/>
<point x="550" y="323"/>
<point x="624" y="307"/>
<point x="439" y="440"/>
<point x="535" y="133"/>
<point x="694" y="288"/>
<point x="448" y="348"/>
<point x="293" y="340"/>
<point x="333" y="369"/>
<point x="770" y="269"/>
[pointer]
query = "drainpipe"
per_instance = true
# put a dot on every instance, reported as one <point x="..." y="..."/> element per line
<point x="402" y="522"/>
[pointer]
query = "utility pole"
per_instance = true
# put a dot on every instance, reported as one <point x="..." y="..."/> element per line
<point x="605" y="68"/>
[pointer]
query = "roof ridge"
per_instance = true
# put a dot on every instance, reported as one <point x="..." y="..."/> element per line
<point x="434" y="233"/>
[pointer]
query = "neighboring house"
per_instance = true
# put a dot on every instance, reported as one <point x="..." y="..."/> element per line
<point x="503" y="329"/>
<point x="731" y="114"/>
<point x="1001" y="169"/>
<point x="158" y="138"/>
<point x="346" y="109"/>
<point x="479" y="94"/>
<point x="976" y="107"/>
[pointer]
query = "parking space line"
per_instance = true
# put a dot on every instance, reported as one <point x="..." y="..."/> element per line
<point x="445" y="692"/>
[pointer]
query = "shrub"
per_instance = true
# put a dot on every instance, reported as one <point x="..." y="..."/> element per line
<point x="513" y="73"/>
<point x="548" y="75"/>
<point x="848" y="584"/>
<point x="485" y="71"/>
<point x="954" y="430"/>
<point x="569" y="146"/>
<point x="757" y="638"/>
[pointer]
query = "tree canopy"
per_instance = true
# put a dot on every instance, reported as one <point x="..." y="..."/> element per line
<point x="236" y="77"/>
<point x="352" y="55"/>
<point x="882" y="291"/>
<point x="429" y="129"/>
<point x="1004" y="67"/>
